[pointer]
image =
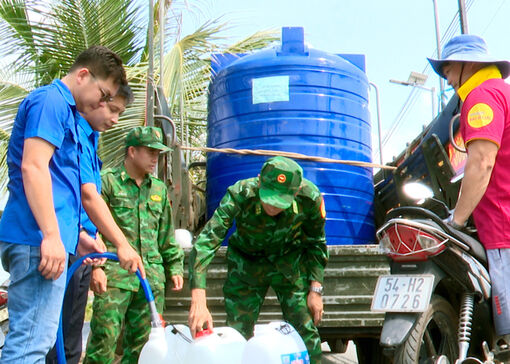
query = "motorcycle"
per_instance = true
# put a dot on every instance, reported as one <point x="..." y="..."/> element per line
<point x="437" y="298"/>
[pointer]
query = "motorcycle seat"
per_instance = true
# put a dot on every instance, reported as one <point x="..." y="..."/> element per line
<point x="476" y="248"/>
<point x="425" y="216"/>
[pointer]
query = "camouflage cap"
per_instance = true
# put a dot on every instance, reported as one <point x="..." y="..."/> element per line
<point x="280" y="179"/>
<point x="147" y="136"/>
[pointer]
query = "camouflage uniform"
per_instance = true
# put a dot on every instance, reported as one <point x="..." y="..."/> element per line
<point x="145" y="217"/>
<point x="285" y="252"/>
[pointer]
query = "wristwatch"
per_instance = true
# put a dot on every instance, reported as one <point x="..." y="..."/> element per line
<point x="317" y="289"/>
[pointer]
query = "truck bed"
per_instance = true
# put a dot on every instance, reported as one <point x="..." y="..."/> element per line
<point x="350" y="278"/>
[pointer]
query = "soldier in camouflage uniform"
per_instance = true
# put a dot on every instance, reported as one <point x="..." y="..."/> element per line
<point x="279" y="242"/>
<point x="140" y="206"/>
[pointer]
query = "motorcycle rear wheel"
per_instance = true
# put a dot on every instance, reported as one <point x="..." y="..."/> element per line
<point x="434" y="334"/>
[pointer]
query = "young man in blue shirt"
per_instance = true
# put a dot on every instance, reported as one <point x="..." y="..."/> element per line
<point x="40" y="223"/>
<point x="75" y="300"/>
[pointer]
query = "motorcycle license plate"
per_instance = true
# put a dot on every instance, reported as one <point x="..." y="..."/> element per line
<point x="403" y="293"/>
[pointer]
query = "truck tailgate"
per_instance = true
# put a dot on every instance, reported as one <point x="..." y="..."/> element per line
<point x="350" y="278"/>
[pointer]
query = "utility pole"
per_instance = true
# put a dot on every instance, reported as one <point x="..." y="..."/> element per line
<point x="438" y="45"/>
<point x="161" y="41"/>
<point x="379" y="133"/>
<point x="149" y="111"/>
<point x="463" y="17"/>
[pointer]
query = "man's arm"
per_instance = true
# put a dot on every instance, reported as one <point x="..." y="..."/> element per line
<point x="206" y="245"/>
<point x="314" y="241"/>
<point x="37" y="184"/>
<point x="210" y="238"/>
<point x="314" y="303"/>
<point x="199" y="314"/>
<point x="98" y="280"/>
<point x="477" y="173"/>
<point x="315" y="255"/>
<point x="170" y="250"/>
<point x="100" y="215"/>
<point x="87" y="244"/>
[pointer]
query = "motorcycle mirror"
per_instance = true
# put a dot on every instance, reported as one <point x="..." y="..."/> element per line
<point x="417" y="191"/>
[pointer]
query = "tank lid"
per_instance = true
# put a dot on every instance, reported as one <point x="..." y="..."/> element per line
<point x="293" y="42"/>
<point x="291" y="52"/>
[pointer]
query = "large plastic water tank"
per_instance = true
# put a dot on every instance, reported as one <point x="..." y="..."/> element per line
<point x="296" y="99"/>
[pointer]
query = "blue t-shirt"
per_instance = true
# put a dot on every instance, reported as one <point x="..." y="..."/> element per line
<point x="90" y="166"/>
<point x="49" y="113"/>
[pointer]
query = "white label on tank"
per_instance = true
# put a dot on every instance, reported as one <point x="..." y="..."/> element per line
<point x="270" y="89"/>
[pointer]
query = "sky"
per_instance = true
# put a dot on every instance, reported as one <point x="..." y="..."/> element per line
<point x="395" y="36"/>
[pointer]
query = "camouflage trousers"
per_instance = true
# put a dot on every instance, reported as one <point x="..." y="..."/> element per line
<point x="245" y="289"/>
<point x="116" y="309"/>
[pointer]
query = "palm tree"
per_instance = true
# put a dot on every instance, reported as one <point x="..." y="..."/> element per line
<point x="40" y="40"/>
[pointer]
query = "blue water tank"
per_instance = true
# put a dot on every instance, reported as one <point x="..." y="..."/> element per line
<point x="296" y="99"/>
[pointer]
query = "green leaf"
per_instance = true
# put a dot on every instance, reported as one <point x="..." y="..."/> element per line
<point x="41" y="39"/>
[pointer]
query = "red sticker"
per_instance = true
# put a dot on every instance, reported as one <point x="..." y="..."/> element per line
<point x="281" y="178"/>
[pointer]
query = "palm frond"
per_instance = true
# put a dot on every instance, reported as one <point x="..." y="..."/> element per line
<point x="49" y="40"/>
<point x="186" y="67"/>
<point x="11" y="96"/>
<point x="174" y="12"/>
<point x="8" y="74"/>
<point x="4" y="171"/>
<point x="187" y="74"/>
<point x="76" y="25"/>
<point x="40" y="40"/>
<point x="16" y="32"/>
<point x="258" y="40"/>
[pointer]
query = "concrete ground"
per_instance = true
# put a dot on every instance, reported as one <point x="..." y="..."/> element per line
<point x="349" y="357"/>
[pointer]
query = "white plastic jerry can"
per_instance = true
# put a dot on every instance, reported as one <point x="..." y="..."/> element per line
<point x="155" y="349"/>
<point x="275" y="343"/>
<point x="222" y="345"/>
<point x="178" y="340"/>
<point x="166" y="345"/>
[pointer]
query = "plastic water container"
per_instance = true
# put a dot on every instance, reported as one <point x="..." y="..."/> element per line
<point x="294" y="98"/>
<point x="178" y="341"/>
<point x="275" y="343"/>
<point x="224" y="345"/>
<point x="155" y="349"/>
<point x="184" y="238"/>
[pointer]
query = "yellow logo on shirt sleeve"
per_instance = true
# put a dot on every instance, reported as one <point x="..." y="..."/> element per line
<point x="156" y="198"/>
<point x="323" y="209"/>
<point x="480" y="115"/>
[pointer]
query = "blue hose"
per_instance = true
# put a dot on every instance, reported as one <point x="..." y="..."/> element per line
<point x="61" y="356"/>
